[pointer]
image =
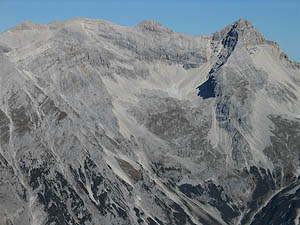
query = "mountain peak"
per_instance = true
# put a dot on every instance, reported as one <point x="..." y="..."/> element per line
<point x="101" y="124"/>
<point x="243" y="22"/>
<point x="243" y="25"/>
<point x="153" y="26"/>
<point x="247" y="33"/>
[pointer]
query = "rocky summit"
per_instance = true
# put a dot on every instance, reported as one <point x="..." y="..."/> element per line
<point x="102" y="124"/>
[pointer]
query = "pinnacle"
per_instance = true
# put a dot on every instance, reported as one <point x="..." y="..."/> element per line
<point x="247" y="31"/>
<point x="243" y="24"/>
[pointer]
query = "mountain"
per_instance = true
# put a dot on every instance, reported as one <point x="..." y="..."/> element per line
<point x="104" y="124"/>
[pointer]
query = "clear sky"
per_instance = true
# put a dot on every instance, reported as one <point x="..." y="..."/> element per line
<point x="277" y="20"/>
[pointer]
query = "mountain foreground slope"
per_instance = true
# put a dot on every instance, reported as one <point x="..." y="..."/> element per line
<point x="104" y="124"/>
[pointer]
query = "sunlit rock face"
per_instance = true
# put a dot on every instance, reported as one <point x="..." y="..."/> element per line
<point x="104" y="124"/>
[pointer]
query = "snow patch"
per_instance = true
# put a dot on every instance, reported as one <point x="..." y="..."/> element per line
<point x="173" y="91"/>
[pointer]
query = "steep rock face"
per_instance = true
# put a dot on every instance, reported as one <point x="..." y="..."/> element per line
<point x="103" y="124"/>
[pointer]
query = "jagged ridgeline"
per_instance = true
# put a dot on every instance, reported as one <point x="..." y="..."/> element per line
<point x="111" y="125"/>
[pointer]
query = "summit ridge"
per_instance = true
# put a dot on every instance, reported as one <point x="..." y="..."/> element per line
<point x="107" y="124"/>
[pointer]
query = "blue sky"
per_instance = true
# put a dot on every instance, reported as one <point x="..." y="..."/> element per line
<point x="277" y="20"/>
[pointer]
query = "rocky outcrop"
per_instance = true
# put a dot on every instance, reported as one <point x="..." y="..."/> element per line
<point x="103" y="124"/>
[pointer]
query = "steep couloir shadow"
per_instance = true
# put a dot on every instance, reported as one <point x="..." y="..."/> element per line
<point x="207" y="89"/>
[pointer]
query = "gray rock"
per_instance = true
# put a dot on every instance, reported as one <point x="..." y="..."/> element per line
<point x="104" y="124"/>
